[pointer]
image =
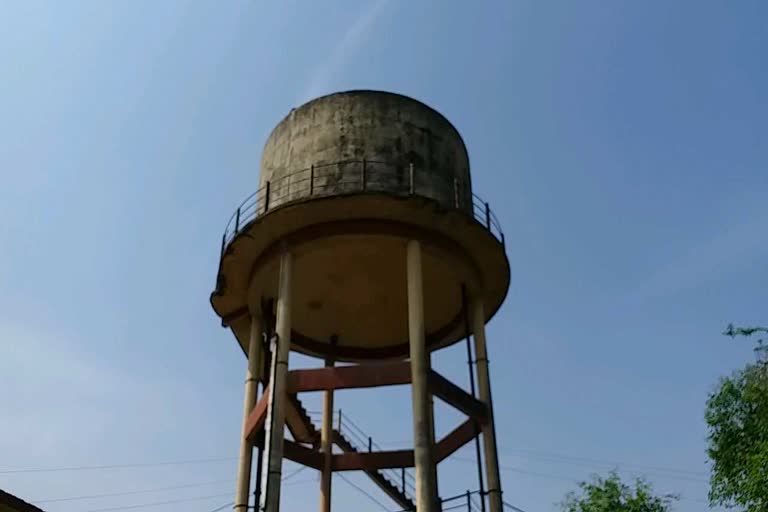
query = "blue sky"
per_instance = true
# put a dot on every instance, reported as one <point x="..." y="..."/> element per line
<point x="621" y="144"/>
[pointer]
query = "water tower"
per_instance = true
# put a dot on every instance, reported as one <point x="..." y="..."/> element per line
<point x="363" y="245"/>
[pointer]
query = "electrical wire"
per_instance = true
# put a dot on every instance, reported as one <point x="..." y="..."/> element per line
<point x="364" y="492"/>
<point x="127" y="493"/>
<point x="574" y="460"/>
<point x="156" y="503"/>
<point x="294" y="473"/>
<point x="632" y="470"/>
<point x="223" y="507"/>
<point x="516" y="509"/>
<point x="115" y="466"/>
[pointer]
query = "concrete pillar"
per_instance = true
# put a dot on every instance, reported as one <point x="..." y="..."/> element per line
<point x="326" y="447"/>
<point x="279" y="387"/>
<point x="422" y="447"/>
<point x="484" y="392"/>
<point x="252" y="375"/>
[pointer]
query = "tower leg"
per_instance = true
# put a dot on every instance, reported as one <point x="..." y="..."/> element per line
<point x="252" y="375"/>
<point x="326" y="442"/>
<point x="276" y="414"/>
<point x="484" y="391"/>
<point x="422" y="447"/>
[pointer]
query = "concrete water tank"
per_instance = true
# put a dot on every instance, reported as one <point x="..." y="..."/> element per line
<point x="346" y="180"/>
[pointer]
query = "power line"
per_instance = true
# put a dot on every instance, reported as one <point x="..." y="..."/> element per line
<point x="294" y="473"/>
<point x="156" y="503"/>
<point x="115" y="466"/>
<point x="363" y="491"/>
<point x="516" y="509"/>
<point x="127" y="493"/>
<point x="633" y="470"/>
<point x="568" y="458"/>
<point x="223" y="507"/>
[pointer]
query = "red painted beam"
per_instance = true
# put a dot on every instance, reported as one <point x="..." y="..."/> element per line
<point x="302" y="454"/>
<point x="257" y="416"/>
<point x="348" y="377"/>
<point x="458" y="437"/>
<point x="369" y="461"/>
<point x="457" y="397"/>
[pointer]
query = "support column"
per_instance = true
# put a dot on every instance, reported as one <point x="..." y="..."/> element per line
<point x="278" y="389"/>
<point x="422" y="448"/>
<point x="484" y="392"/>
<point x="326" y="447"/>
<point x="252" y="375"/>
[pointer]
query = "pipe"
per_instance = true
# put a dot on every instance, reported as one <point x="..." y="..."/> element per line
<point x="252" y="375"/>
<point x="279" y="384"/>
<point x="484" y="391"/>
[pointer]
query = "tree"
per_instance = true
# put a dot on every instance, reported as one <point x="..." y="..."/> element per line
<point x="612" y="495"/>
<point x="737" y="416"/>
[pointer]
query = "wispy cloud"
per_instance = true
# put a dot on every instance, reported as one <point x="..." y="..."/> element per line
<point x="740" y="244"/>
<point x="345" y="48"/>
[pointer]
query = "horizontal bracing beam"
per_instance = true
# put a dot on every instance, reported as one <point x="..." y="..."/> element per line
<point x="369" y="461"/>
<point x="349" y="377"/>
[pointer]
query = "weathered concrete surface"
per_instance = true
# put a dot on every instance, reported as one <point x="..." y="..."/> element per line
<point x="389" y="131"/>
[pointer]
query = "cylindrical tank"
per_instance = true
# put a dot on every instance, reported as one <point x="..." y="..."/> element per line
<point x="346" y="180"/>
<point x="332" y="135"/>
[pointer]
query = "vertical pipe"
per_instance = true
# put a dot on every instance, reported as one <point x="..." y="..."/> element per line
<point x="484" y="388"/>
<point x="311" y="179"/>
<point x="326" y="444"/>
<point x="410" y="174"/>
<point x="433" y="466"/>
<point x="456" y="193"/>
<point x="252" y="375"/>
<point x="278" y="388"/>
<point x="259" y="469"/>
<point x="425" y="488"/>
<point x="465" y="310"/>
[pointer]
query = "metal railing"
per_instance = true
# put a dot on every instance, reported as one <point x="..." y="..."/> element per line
<point x="358" y="176"/>
<point x="401" y="478"/>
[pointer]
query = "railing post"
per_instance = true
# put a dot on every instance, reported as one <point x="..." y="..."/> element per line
<point x="339" y="429"/>
<point x="362" y="175"/>
<point x="410" y="174"/>
<point x="487" y="216"/>
<point x="469" y="502"/>
<point x="456" y="192"/>
<point x="402" y="476"/>
<point x="237" y="221"/>
<point x="311" y="179"/>
<point x="370" y="444"/>
<point x="266" y="198"/>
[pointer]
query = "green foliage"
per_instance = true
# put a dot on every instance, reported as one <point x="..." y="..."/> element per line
<point x="737" y="416"/>
<point x="762" y="347"/>
<point x="612" y="495"/>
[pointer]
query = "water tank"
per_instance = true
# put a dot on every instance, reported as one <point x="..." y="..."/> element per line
<point x="346" y="180"/>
